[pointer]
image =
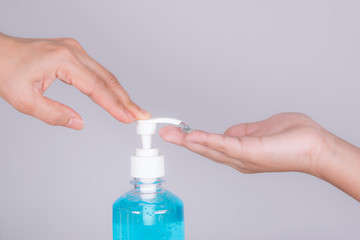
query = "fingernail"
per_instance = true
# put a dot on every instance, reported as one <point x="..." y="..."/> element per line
<point x="75" y="123"/>
<point x="130" y="116"/>
<point x="145" y="113"/>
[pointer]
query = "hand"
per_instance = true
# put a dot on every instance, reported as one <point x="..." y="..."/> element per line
<point x="284" y="142"/>
<point x="29" y="66"/>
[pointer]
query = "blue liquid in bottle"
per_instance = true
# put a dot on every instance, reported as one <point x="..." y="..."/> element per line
<point x="148" y="212"/>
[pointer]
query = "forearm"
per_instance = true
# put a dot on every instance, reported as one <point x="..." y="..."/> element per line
<point x="340" y="166"/>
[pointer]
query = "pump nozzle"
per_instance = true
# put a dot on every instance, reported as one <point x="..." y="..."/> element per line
<point x="161" y="120"/>
<point x="146" y="128"/>
<point x="148" y="163"/>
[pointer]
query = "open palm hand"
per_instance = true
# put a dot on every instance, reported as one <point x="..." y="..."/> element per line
<point x="284" y="142"/>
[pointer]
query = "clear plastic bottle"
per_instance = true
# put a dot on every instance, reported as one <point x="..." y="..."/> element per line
<point x="148" y="212"/>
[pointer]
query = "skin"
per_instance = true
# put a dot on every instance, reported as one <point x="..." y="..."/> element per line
<point x="284" y="142"/>
<point x="29" y="66"/>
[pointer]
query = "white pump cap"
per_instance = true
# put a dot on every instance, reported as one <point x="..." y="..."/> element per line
<point x="148" y="163"/>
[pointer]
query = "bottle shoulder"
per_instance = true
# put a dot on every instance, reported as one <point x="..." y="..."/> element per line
<point x="163" y="197"/>
<point x="174" y="198"/>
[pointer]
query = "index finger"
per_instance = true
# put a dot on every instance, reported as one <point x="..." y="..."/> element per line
<point x="113" y="98"/>
<point x="114" y="85"/>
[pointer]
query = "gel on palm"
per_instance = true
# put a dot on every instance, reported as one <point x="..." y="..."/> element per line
<point x="148" y="211"/>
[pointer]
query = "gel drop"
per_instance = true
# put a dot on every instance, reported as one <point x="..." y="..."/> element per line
<point x="149" y="211"/>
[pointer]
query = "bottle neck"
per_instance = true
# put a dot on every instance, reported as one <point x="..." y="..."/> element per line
<point x="148" y="185"/>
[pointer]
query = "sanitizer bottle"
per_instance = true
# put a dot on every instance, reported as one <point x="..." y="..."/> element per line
<point x="149" y="211"/>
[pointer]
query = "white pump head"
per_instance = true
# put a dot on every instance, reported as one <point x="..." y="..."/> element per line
<point x="146" y="128"/>
<point x="148" y="163"/>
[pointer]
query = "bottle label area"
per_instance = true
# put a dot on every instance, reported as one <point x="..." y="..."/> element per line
<point x="160" y="218"/>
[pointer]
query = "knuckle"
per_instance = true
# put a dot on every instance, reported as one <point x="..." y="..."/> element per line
<point x="278" y="116"/>
<point x="66" y="49"/>
<point x="57" y="118"/>
<point x="127" y="101"/>
<point x="71" y="42"/>
<point x="64" y="52"/>
<point x="302" y="117"/>
<point x="112" y="81"/>
<point x="236" y="153"/>
<point x="97" y="87"/>
<point x="99" y="84"/>
<point x="222" y="143"/>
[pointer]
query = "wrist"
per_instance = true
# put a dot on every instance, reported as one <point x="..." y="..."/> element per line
<point x="328" y="156"/>
<point x="339" y="165"/>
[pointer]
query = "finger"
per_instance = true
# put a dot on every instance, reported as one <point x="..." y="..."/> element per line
<point x="243" y="129"/>
<point x="214" y="155"/>
<point x="97" y="89"/>
<point x="176" y="136"/>
<point x="217" y="142"/>
<point x="244" y="148"/>
<point x="274" y="124"/>
<point x="57" y="114"/>
<point x="115" y="87"/>
<point x="173" y="135"/>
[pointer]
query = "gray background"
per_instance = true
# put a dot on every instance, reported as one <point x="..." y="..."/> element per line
<point x="210" y="63"/>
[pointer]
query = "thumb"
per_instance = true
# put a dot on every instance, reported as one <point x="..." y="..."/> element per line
<point x="56" y="114"/>
<point x="244" y="129"/>
<point x="238" y="130"/>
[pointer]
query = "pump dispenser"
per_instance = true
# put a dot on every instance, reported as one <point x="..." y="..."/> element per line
<point x="149" y="211"/>
<point x="148" y="163"/>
